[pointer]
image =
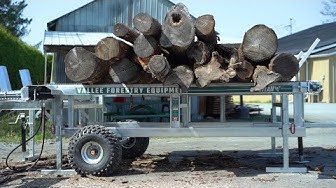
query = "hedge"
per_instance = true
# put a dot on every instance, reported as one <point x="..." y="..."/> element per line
<point x="16" y="55"/>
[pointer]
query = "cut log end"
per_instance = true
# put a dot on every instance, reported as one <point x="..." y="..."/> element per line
<point x="147" y="25"/>
<point x="178" y="29"/>
<point x="159" y="67"/>
<point x="260" y="43"/>
<point x="205" y="29"/>
<point x="123" y="31"/>
<point x="198" y="54"/>
<point x="110" y="48"/>
<point x="181" y="75"/>
<point x="124" y="71"/>
<point x="82" y="65"/>
<point x="286" y="65"/>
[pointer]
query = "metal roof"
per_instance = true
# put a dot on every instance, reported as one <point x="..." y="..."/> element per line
<point x="63" y="41"/>
<point x="302" y="40"/>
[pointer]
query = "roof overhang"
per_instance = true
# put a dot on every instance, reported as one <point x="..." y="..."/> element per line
<point x="56" y="41"/>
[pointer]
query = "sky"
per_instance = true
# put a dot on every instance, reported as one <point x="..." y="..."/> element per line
<point x="233" y="18"/>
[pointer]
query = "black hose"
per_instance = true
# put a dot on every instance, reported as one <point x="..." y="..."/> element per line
<point x="42" y="123"/>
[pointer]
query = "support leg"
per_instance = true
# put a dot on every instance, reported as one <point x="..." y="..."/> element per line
<point x="285" y="137"/>
<point x="58" y="122"/>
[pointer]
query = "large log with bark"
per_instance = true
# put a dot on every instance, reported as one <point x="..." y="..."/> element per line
<point x="147" y="25"/>
<point x="181" y="75"/>
<point x="205" y="29"/>
<point x="123" y="31"/>
<point x="178" y="30"/>
<point x="260" y="43"/>
<point x="286" y="65"/>
<point x="110" y="48"/>
<point x="83" y="66"/>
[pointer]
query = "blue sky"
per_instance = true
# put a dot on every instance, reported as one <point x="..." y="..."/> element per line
<point x="233" y="18"/>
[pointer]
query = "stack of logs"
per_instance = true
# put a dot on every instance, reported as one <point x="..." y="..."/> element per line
<point x="180" y="51"/>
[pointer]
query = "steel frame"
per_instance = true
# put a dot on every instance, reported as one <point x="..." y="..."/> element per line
<point x="180" y="124"/>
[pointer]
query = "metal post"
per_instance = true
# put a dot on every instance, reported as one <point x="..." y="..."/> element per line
<point x="23" y="138"/>
<point x="71" y="113"/>
<point x="285" y="137"/>
<point x="31" y="124"/>
<point x="274" y="120"/>
<point x="222" y="109"/>
<point x="57" y="108"/>
<point x="299" y="121"/>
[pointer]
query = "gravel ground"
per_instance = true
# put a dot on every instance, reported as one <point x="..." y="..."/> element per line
<point x="200" y="162"/>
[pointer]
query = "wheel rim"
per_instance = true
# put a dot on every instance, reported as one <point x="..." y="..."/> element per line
<point x="92" y="152"/>
<point x="129" y="144"/>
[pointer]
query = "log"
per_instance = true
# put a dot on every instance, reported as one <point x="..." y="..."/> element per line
<point x="286" y="65"/>
<point x="260" y="43"/>
<point x="124" y="71"/>
<point x="147" y="25"/>
<point x="123" y="31"/>
<point x="159" y="67"/>
<point x="181" y="75"/>
<point x="83" y="66"/>
<point x="198" y="54"/>
<point x="178" y="30"/>
<point x="146" y="46"/>
<point x="229" y="53"/>
<point x="205" y="29"/>
<point x="110" y="48"/>
<point x="262" y="77"/>
<point x="211" y="71"/>
<point x="244" y="70"/>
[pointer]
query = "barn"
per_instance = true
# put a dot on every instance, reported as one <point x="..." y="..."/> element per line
<point x="321" y="65"/>
<point x="88" y="24"/>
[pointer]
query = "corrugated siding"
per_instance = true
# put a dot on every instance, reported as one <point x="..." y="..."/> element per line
<point x="102" y="15"/>
<point x="319" y="70"/>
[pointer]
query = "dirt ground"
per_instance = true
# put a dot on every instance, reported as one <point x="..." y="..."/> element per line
<point x="194" y="162"/>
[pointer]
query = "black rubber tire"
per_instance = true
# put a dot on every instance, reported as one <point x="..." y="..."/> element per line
<point x="103" y="143"/>
<point x="135" y="147"/>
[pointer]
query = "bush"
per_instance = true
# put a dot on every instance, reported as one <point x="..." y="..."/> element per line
<point x="16" y="55"/>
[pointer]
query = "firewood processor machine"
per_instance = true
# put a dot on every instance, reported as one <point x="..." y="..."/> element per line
<point x="99" y="147"/>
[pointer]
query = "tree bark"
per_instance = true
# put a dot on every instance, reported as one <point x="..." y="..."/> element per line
<point x="124" y="71"/>
<point x="123" y="31"/>
<point x="83" y="66"/>
<point x="159" y="67"/>
<point x="262" y="77"/>
<point x="147" y="25"/>
<point x="181" y="75"/>
<point x="205" y="29"/>
<point x="110" y="48"/>
<point x="178" y="30"/>
<point x="198" y="54"/>
<point x="211" y="71"/>
<point x="286" y="65"/>
<point x="260" y="43"/>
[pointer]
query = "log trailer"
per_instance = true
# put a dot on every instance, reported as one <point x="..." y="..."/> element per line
<point x="100" y="147"/>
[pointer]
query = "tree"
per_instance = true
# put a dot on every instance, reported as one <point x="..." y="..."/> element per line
<point x="11" y="17"/>
<point x="329" y="10"/>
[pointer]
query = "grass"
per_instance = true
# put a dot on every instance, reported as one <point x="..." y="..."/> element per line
<point x="12" y="133"/>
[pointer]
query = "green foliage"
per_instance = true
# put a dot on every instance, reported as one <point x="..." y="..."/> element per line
<point x="329" y="10"/>
<point x="11" y="17"/>
<point x="12" y="133"/>
<point x="16" y="55"/>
